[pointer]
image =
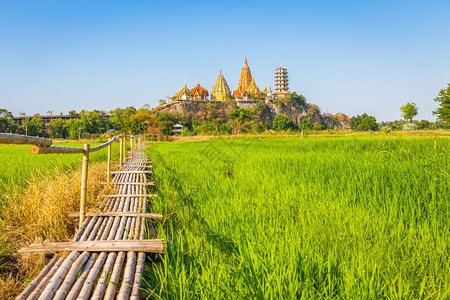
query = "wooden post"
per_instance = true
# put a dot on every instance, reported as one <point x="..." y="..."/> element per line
<point x="84" y="178"/>
<point x="124" y="149"/>
<point x="121" y="152"/>
<point x="108" y="170"/>
<point x="131" y="146"/>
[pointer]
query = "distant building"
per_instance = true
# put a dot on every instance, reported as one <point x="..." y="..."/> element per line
<point x="177" y="128"/>
<point x="281" y="82"/>
<point x="406" y="126"/>
<point x="48" y="118"/>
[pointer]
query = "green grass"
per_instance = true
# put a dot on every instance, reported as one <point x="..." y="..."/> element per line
<point x="18" y="164"/>
<point x="338" y="217"/>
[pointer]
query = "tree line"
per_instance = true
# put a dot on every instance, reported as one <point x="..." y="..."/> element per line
<point x="212" y="121"/>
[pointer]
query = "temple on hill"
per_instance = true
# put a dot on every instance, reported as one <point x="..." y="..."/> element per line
<point x="244" y="80"/>
<point x="199" y="93"/>
<point x="220" y="91"/>
<point x="246" y="93"/>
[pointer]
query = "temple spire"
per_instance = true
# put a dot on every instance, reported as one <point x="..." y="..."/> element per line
<point x="244" y="80"/>
<point x="220" y="90"/>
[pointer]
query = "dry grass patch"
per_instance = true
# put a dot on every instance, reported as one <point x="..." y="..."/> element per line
<point x="38" y="213"/>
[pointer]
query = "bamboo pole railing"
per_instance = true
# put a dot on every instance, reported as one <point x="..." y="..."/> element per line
<point x="9" y="138"/>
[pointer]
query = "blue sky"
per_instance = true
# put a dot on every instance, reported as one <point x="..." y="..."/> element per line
<point x="346" y="56"/>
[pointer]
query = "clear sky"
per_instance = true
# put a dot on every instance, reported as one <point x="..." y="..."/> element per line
<point x="346" y="56"/>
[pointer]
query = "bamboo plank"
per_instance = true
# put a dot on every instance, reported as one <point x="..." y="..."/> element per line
<point x="131" y="172"/>
<point x="130" y="195"/>
<point x="118" y="214"/>
<point x="130" y="183"/>
<point x="149" y="246"/>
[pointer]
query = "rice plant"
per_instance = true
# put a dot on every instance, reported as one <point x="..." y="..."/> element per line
<point x="336" y="217"/>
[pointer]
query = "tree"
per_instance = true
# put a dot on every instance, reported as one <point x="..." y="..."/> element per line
<point x="423" y="124"/>
<point x="74" y="128"/>
<point x="93" y="121"/>
<point x="295" y="100"/>
<point x="120" y="118"/>
<point x="57" y="128"/>
<point x="307" y="124"/>
<point x="239" y="117"/>
<point x="409" y="111"/>
<point x="5" y="120"/>
<point x="368" y="123"/>
<point x="26" y="125"/>
<point x="37" y="125"/>
<point x="282" y="122"/>
<point x="355" y="121"/>
<point x="443" y="112"/>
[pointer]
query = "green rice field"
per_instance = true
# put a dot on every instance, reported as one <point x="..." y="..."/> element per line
<point x="338" y="217"/>
<point x="18" y="163"/>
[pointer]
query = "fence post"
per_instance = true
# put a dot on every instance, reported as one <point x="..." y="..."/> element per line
<point x="108" y="170"/>
<point x="124" y="149"/>
<point x="84" y="177"/>
<point x="121" y="152"/>
<point x="131" y="146"/>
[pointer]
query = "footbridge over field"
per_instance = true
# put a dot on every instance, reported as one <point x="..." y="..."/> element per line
<point x="105" y="259"/>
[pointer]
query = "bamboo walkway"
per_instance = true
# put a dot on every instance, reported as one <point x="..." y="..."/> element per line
<point x="104" y="275"/>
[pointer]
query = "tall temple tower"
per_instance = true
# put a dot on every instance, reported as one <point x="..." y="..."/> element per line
<point x="281" y="82"/>
<point x="220" y="90"/>
<point x="245" y="80"/>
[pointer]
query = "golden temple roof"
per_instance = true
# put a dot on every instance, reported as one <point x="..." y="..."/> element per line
<point x="253" y="89"/>
<point x="185" y="91"/>
<point x="199" y="91"/>
<point x="221" y="85"/>
<point x="244" y="80"/>
<point x="220" y="91"/>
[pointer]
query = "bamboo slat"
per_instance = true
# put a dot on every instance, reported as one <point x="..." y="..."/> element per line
<point x="151" y="246"/>
<point x="130" y="183"/>
<point x="118" y="214"/>
<point x="129" y="195"/>
<point x="131" y="172"/>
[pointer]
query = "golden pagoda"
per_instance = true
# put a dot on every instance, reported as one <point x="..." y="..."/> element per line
<point x="253" y="89"/>
<point x="264" y="93"/>
<point x="220" y="90"/>
<point x="244" y="80"/>
<point x="183" y="94"/>
<point x="199" y="93"/>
